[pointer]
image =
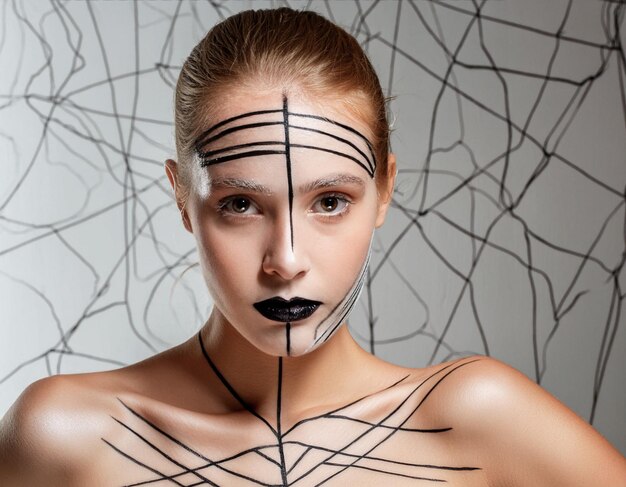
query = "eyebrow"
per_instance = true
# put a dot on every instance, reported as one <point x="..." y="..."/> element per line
<point x="321" y="183"/>
<point x="243" y="184"/>
<point x="332" y="181"/>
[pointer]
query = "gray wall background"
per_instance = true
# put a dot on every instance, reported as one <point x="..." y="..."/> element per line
<point x="507" y="235"/>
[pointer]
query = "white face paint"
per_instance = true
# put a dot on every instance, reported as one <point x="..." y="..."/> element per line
<point x="284" y="210"/>
<point x="327" y="327"/>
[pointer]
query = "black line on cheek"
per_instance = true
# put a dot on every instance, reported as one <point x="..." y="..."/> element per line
<point x="288" y="333"/>
<point x="288" y="161"/>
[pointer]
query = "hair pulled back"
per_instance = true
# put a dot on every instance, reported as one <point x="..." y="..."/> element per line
<point x="280" y="47"/>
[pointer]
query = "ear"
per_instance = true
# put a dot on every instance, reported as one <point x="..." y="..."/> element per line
<point x="385" y="192"/>
<point x="180" y="194"/>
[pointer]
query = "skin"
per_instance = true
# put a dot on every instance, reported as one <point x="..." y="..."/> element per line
<point x="481" y="422"/>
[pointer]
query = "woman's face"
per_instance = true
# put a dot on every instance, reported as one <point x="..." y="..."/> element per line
<point x="283" y="209"/>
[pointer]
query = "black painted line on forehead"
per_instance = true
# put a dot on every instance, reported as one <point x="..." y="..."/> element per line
<point x="212" y="128"/>
<point x="339" y="124"/>
<point x="254" y="153"/>
<point x="370" y="162"/>
<point x="337" y="153"/>
<point x="207" y="159"/>
<point x="236" y="128"/>
<point x="230" y="148"/>
<point x="288" y="162"/>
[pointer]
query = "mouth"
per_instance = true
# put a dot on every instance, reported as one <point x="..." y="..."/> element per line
<point x="286" y="311"/>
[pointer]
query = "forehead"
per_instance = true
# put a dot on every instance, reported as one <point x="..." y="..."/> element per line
<point x="277" y="126"/>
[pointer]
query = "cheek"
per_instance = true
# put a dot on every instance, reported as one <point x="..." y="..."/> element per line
<point x="342" y="251"/>
<point x="229" y="260"/>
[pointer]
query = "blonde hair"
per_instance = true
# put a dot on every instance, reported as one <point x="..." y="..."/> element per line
<point x="280" y="47"/>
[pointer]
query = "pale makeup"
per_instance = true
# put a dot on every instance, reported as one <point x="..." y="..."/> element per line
<point x="284" y="204"/>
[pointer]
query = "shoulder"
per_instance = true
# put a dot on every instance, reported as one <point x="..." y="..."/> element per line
<point x="45" y="435"/>
<point x="523" y="434"/>
<point x="471" y="384"/>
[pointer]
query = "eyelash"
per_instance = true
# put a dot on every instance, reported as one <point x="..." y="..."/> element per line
<point x="222" y="206"/>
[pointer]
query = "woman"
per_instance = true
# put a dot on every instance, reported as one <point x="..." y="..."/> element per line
<point x="283" y="174"/>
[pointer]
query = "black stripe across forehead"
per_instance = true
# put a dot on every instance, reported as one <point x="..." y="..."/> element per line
<point x="293" y="125"/>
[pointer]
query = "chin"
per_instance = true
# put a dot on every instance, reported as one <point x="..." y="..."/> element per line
<point x="295" y="340"/>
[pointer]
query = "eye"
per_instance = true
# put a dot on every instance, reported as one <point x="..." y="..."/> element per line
<point x="240" y="205"/>
<point x="331" y="205"/>
<point x="237" y="205"/>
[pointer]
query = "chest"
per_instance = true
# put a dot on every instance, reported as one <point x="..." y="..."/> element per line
<point x="348" y="446"/>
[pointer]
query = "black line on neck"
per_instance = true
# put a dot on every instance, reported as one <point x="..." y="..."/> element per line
<point x="283" y="467"/>
<point x="229" y="387"/>
<point x="288" y="162"/>
<point x="288" y="333"/>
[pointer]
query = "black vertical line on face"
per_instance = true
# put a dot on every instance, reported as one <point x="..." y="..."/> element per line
<point x="288" y="162"/>
<point x="288" y="333"/>
<point x="279" y="435"/>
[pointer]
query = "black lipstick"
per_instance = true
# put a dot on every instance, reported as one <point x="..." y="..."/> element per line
<point x="286" y="311"/>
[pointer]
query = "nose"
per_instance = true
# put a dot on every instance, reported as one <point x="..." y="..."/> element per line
<point x="282" y="259"/>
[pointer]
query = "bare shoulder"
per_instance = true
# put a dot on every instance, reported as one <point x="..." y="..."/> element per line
<point x="523" y="434"/>
<point x="55" y="434"/>
<point x="46" y="435"/>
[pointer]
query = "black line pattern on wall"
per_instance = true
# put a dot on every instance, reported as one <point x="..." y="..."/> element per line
<point x="507" y="235"/>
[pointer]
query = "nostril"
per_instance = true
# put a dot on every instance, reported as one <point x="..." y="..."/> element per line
<point x="284" y="261"/>
<point x="284" y="257"/>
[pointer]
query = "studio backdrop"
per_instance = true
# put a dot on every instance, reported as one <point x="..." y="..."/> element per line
<point x="507" y="231"/>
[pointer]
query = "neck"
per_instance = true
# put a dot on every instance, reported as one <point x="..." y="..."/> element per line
<point x="246" y="378"/>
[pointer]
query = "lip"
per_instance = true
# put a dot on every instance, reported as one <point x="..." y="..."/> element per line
<point x="286" y="311"/>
